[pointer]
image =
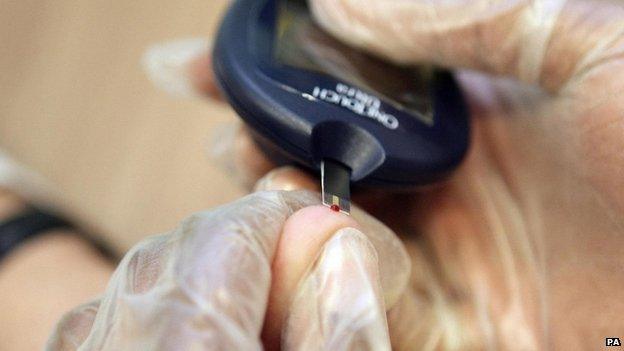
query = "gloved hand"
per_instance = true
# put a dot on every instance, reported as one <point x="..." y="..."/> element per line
<point x="308" y="274"/>
<point x="521" y="249"/>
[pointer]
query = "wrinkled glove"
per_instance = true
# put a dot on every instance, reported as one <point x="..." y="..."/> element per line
<point x="205" y="286"/>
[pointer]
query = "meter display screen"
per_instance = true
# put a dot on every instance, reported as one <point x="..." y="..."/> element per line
<point x="302" y="44"/>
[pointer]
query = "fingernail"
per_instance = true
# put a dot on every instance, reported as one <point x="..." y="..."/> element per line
<point x="167" y="65"/>
<point x="339" y="303"/>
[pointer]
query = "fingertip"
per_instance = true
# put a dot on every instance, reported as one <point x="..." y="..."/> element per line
<point x="339" y="305"/>
<point x="304" y="233"/>
<point x="303" y="237"/>
<point x="74" y="327"/>
<point x="202" y="76"/>
<point x="315" y="224"/>
<point x="183" y="68"/>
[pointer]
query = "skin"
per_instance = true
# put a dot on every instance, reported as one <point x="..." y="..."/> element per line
<point x="42" y="279"/>
<point x="491" y="240"/>
<point x="523" y="243"/>
<point x="522" y="246"/>
<point x="304" y="234"/>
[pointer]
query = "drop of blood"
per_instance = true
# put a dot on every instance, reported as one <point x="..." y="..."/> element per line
<point x="335" y="208"/>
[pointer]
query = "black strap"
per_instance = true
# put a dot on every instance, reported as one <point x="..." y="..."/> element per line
<point x="25" y="226"/>
<point x="34" y="222"/>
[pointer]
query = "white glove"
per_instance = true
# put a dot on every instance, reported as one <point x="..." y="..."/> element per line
<point x="206" y="285"/>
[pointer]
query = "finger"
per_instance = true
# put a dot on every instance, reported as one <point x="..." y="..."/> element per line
<point x="339" y="304"/>
<point x="545" y="42"/>
<point x="304" y="235"/>
<point x="204" y="286"/>
<point x="383" y="203"/>
<point x="202" y="75"/>
<point x="287" y="178"/>
<point x="73" y="328"/>
<point x="182" y="68"/>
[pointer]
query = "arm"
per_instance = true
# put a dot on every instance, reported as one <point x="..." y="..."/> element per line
<point x="41" y="279"/>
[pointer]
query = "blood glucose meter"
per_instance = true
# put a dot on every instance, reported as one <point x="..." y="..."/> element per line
<point x="313" y="101"/>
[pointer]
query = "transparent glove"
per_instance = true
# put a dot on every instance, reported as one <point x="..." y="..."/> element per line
<point x="277" y="259"/>
<point x="521" y="248"/>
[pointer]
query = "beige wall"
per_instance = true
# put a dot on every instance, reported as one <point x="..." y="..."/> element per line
<point x="76" y="107"/>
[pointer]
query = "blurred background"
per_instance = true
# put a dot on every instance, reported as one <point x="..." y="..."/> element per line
<point x="125" y="158"/>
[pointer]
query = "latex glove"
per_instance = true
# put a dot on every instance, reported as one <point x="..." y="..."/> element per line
<point x="206" y="285"/>
<point x="521" y="249"/>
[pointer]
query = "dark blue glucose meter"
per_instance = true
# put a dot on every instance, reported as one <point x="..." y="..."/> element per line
<point x="313" y="101"/>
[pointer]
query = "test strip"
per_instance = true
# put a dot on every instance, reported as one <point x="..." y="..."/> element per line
<point x="335" y="185"/>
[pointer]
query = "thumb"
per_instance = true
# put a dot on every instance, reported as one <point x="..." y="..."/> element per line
<point x="545" y="42"/>
<point x="339" y="304"/>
